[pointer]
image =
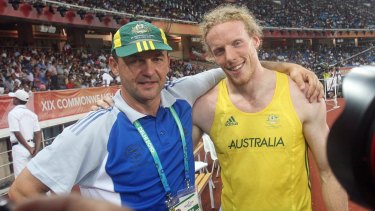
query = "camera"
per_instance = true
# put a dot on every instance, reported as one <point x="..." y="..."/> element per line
<point x="351" y="142"/>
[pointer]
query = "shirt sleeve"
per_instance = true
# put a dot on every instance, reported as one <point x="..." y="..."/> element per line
<point x="13" y="122"/>
<point x="73" y="155"/>
<point x="192" y="87"/>
<point x="36" y="124"/>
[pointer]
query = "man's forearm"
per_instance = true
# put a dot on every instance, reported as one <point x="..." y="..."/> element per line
<point x="38" y="140"/>
<point x="283" y="67"/>
<point x="21" y="140"/>
<point x="334" y="195"/>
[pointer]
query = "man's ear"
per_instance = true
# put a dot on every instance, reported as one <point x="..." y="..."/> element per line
<point x="256" y="41"/>
<point x="113" y="64"/>
<point x="169" y="61"/>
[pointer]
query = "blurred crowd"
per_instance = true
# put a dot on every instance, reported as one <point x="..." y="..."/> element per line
<point x="322" y="56"/>
<point x="272" y="13"/>
<point x="47" y="69"/>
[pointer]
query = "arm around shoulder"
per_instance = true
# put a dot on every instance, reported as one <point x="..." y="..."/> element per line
<point x="197" y="84"/>
<point x="304" y="78"/>
<point x="282" y="67"/>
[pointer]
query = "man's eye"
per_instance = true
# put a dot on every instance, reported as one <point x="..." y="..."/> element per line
<point x="157" y="59"/>
<point x="237" y="43"/>
<point x="218" y="52"/>
<point x="131" y="60"/>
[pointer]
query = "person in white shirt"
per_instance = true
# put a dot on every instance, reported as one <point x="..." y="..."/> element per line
<point x="107" y="78"/>
<point x="25" y="133"/>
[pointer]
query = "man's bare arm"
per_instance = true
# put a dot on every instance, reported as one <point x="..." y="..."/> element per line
<point x="72" y="202"/>
<point x="26" y="186"/>
<point x="22" y="141"/>
<point x="204" y="111"/>
<point x="38" y="141"/>
<point x="316" y="132"/>
<point x="196" y="135"/>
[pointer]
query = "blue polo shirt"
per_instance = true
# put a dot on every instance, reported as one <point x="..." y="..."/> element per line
<point x="107" y="157"/>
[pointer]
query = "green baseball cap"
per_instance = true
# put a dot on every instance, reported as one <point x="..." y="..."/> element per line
<point x="138" y="36"/>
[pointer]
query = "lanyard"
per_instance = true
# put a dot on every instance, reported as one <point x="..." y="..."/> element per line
<point x="155" y="156"/>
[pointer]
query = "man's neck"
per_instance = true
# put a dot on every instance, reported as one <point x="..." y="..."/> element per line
<point x="259" y="81"/>
<point x="255" y="94"/>
<point x="147" y="107"/>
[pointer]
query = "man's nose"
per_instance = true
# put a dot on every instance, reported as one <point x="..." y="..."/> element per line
<point x="230" y="54"/>
<point x="148" y="67"/>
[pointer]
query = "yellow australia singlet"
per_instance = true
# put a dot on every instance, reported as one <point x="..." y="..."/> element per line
<point x="263" y="155"/>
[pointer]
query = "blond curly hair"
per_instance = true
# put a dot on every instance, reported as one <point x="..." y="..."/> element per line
<point x="229" y="12"/>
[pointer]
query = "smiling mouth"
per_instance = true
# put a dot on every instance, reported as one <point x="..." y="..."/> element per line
<point x="234" y="68"/>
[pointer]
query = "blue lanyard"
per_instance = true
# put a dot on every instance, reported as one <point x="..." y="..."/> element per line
<point x="155" y="156"/>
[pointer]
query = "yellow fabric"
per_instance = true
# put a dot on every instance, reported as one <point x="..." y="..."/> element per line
<point x="139" y="48"/>
<point x="151" y="43"/>
<point x="263" y="155"/>
<point x="163" y="36"/>
<point x="326" y="75"/>
<point x="117" y="40"/>
<point x="145" y="45"/>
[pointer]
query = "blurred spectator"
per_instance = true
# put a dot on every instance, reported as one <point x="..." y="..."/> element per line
<point x="67" y="48"/>
<point x="70" y="84"/>
<point x="52" y="73"/>
<point x="107" y="78"/>
<point x="2" y="87"/>
<point x="25" y="132"/>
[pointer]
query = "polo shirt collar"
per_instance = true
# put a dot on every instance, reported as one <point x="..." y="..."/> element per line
<point x="167" y="100"/>
<point x="20" y="106"/>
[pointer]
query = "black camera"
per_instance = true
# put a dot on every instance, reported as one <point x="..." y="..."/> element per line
<point x="351" y="142"/>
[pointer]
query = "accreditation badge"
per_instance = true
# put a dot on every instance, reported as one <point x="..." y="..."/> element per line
<point x="188" y="200"/>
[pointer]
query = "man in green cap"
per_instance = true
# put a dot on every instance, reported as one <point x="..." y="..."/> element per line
<point x="139" y="153"/>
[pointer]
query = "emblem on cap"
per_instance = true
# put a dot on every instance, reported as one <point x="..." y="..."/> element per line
<point x="140" y="29"/>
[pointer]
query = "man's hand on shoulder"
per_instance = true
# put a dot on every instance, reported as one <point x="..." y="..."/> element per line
<point x="308" y="82"/>
<point x="105" y="103"/>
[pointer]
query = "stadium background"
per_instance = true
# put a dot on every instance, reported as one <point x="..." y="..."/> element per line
<point x="329" y="37"/>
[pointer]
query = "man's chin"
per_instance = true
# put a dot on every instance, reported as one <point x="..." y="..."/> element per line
<point x="237" y="81"/>
<point x="149" y="96"/>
